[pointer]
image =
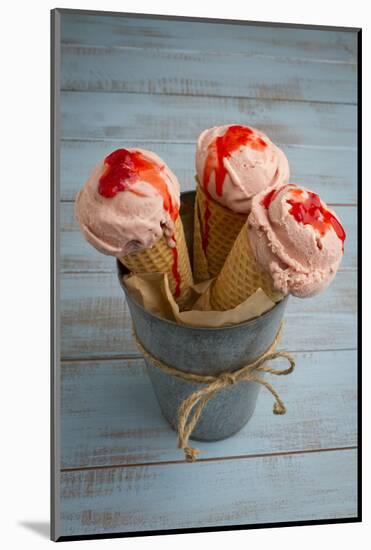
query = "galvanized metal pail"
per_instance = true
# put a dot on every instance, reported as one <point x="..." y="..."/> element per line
<point x="204" y="351"/>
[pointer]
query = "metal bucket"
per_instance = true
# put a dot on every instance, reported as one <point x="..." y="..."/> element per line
<point x="204" y="351"/>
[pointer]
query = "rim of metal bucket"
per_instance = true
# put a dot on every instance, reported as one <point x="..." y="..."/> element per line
<point x="122" y="270"/>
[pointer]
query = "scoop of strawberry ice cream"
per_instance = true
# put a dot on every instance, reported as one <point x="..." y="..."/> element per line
<point x="234" y="163"/>
<point x="296" y="238"/>
<point x="129" y="201"/>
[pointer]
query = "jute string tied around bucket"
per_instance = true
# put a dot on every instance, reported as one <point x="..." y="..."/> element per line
<point x="191" y="408"/>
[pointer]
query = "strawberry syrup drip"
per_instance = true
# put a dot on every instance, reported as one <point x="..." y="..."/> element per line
<point x="266" y="201"/>
<point x="311" y="211"/>
<point x="123" y="168"/>
<point x="175" y="270"/>
<point x="223" y="146"/>
<point x="271" y="195"/>
<point x="205" y="237"/>
<point x="308" y="211"/>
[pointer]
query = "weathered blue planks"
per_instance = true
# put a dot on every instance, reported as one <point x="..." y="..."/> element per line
<point x="78" y="255"/>
<point x="331" y="172"/>
<point x="292" y="487"/>
<point x="178" y="35"/>
<point x="96" y="321"/>
<point x="182" y="118"/>
<point x="110" y="415"/>
<point x="167" y="82"/>
<point x="202" y="73"/>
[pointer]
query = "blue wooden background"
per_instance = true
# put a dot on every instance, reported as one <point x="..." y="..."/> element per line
<point x="157" y="84"/>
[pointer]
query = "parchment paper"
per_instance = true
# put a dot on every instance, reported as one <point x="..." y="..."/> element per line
<point x="151" y="290"/>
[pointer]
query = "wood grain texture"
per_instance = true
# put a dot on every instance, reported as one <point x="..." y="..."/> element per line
<point x="231" y="492"/>
<point x="167" y="81"/>
<point x="110" y="415"/>
<point x="96" y="321"/>
<point x="267" y="41"/>
<point x="93" y="69"/>
<point x="78" y="255"/>
<point x="182" y="118"/>
<point x="331" y="172"/>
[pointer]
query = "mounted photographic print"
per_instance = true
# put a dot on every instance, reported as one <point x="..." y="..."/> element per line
<point x="204" y="367"/>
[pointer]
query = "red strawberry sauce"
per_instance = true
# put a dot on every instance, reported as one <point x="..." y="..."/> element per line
<point x="123" y="168"/>
<point x="223" y="146"/>
<point x="310" y="211"/>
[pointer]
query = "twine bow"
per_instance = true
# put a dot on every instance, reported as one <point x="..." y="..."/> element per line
<point x="191" y="408"/>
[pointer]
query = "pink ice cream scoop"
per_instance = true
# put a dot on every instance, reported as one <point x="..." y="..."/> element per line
<point x="129" y="201"/>
<point x="295" y="238"/>
<point x="235" y="162"/>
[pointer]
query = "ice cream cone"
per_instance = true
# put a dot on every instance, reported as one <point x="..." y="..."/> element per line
<point x="129" y="208"/>
<point x="162" y="258"/>
<point x="291" y="244"/>
<point x="215" y="231"/>
<point x="240" y="277"/>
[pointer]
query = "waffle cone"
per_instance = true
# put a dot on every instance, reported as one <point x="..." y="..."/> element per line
<point x="160" y="258"/>
<point x="221" y="226"/>
<point x="240" y="277"/>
